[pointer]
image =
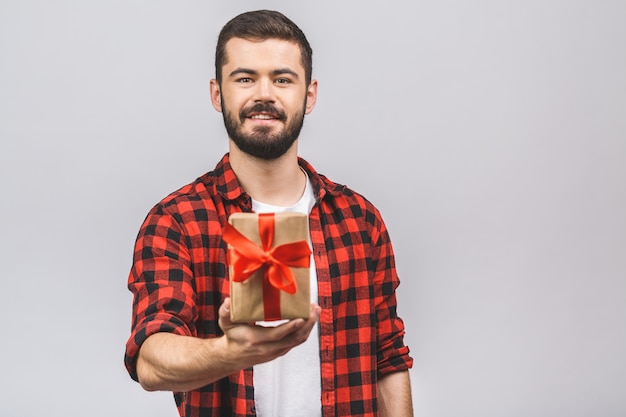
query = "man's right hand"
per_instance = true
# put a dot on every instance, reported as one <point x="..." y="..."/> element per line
<point x="252" y="344"/>
<point x="171" y="362"/>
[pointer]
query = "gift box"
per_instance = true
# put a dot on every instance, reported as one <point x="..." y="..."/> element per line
<point x="269" y="261"/>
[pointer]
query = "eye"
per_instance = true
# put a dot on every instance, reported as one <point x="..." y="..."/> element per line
<point x="283" y="80"/>
<point x="244" y="80"/>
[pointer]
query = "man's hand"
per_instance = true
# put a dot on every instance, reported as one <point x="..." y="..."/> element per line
<point x="251" y="344"/>
<point x="171" y="362"/>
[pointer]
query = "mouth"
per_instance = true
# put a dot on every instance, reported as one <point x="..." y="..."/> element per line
<point x="263" y="116"/>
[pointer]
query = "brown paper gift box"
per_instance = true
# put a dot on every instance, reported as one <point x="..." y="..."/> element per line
<point x="246" y="303"/>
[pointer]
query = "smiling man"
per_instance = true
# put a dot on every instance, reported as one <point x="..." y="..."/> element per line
<point x="348" y="357"/>
<point x="252" y="91"/>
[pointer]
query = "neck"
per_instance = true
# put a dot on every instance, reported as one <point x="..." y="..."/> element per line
<point x="279" y="182"/>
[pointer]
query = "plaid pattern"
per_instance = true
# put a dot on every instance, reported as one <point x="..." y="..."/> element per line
<point x="179" y="279"/>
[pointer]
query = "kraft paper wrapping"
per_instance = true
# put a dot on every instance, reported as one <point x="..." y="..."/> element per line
<point x="246" y="303"/>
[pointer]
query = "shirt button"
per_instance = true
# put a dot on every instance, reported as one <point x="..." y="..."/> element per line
<point x="253" y="410"/>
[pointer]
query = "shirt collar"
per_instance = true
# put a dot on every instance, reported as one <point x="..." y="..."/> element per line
<point x="226" y="183"/>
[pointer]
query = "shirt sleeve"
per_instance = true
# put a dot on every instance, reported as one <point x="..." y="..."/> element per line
<point x="393" y="354"/>
<point x="161" y="281"/>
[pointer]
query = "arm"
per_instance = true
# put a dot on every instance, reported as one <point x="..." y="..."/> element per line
<point x="394" y="386"/>
<point x="172" y="362"/>
<point x="164" y="351"/>
<point x="394" y="395"/>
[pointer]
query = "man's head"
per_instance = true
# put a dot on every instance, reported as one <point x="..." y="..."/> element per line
<point x="263" y="84"/>
<point x="261" y="25"/>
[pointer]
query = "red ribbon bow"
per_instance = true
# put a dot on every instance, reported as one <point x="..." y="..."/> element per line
<point x="247" y="257"/>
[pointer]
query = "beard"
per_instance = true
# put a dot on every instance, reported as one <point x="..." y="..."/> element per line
<point x="261" y="142"/>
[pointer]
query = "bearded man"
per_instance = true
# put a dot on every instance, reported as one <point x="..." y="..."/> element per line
<point x="348" y="357"/>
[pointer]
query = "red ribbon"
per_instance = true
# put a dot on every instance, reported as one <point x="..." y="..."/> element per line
<point x="247" y="257"/>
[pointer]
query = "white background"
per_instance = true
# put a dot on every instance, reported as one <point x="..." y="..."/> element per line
<point x="491" y="135"/>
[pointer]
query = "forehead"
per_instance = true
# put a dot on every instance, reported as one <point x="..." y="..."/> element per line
<point x="263" y="54"/>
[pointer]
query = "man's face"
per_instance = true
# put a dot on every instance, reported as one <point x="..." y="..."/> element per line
<point x="263" y="95"/>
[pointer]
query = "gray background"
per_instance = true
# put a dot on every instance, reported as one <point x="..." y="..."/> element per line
<point x="491" y="135"/>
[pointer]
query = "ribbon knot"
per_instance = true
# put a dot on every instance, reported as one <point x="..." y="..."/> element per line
<point x="247" y="257"/>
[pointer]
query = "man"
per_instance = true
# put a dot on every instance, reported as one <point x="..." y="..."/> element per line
<point x="348" y="357"/>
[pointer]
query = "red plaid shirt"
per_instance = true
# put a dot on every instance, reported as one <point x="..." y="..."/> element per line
<point x="179" y="279"/>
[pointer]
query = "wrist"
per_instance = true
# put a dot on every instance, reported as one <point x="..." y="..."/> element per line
<point x="218" y="351"/>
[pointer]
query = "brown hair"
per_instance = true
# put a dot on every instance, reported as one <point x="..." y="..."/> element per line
<point x="261" y="25"/>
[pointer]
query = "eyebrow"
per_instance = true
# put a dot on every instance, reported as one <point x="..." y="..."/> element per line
<point x="248" y="71"/>
<point x="283" y="71"/>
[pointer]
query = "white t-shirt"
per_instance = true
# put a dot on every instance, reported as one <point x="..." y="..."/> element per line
<point x="290" y="385"/>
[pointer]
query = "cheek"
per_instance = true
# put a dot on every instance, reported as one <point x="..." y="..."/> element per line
<point x="296" y="104"/>
<point x="233" y="99"/>
<point x="231" y="106"/>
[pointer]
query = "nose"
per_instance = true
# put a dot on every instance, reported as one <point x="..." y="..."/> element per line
<point x="264" y="91"/>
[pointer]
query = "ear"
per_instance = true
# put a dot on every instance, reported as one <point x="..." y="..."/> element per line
<point x="311" y="96"/>
<point x="216" y="95"/>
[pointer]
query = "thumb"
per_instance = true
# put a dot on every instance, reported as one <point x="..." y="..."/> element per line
<point x="224" y="315"/>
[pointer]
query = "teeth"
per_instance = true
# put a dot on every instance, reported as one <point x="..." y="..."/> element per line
<point x="262" y="116"/>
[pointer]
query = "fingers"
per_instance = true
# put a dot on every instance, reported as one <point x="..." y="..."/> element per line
<point x="302" y="326"/>
<point x="296" y="331"/>
<point x="253" y="344"/>
<point x="315" y="311"/>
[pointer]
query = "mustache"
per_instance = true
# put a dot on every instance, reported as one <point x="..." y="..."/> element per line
<point x="262" y="108"/>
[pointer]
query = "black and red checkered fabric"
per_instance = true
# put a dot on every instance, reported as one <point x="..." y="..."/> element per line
<point x="179" y="279"/>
